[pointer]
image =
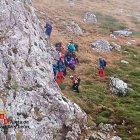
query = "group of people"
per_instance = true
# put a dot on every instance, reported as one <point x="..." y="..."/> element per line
<point x="68" y="59"/>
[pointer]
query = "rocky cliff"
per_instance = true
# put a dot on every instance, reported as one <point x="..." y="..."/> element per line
<point x="27" y="89"/>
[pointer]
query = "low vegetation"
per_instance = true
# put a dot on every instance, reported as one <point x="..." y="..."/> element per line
<point x="108" y="23"/>
<point x="101" y="105"/>
<point x="136" y="33"/>
<point x="95" y="98"/>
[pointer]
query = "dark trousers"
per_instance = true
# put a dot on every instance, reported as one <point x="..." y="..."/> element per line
<point x="65" y="72"/>
<point x="75" y="87"/>
<point x="72" y="67"/>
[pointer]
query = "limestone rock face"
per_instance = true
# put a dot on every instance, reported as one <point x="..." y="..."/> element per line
<point x="27" y="89"/>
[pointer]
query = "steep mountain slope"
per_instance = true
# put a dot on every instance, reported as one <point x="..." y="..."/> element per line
<point x="95" y="97"/>
<point x="27" y="89"/>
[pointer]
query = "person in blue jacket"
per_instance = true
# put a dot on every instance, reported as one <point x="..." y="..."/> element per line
<point x="48" y="29"/>
<point x="71" y="47"/>
<point x="101" y="63"/>
<point x="67" y="58"/>
<point x="55" y="69"/>
<point x="61" y="66"/>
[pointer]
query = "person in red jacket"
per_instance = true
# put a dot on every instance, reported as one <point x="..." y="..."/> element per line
<point x="62" y="55"/>
<point x="59" y="77"/>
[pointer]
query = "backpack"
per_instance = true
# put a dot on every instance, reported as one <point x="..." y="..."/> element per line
<point x="104" y="63"/>
<point x="76" y="47"/>
<point x="48" y="29"/>
<point x="60" y="62"/>
<point x="77" y="81"/>
<point x="71" y="47"/>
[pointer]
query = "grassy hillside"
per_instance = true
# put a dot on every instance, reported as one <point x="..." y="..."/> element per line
<point x="95" y="97"/>
<point x="102" y="106"/>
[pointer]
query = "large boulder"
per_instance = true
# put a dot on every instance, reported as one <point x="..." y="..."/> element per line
<point x="116" y="46"/>
<point x="101" y="45"/>
<point x="116" y="138"/>
<point x="89" y="17"/>
<point x="106" y="127"/>
<point x="113" y="36"/>
<point x="73" y="27"/>
<point x="124" y="62"/>
<point x="104" y="132"/>
<point x="118" y="86"/>
<point x="27" y="89"/>
<point x="70" y="28"/>
<point x="122" y="33"/>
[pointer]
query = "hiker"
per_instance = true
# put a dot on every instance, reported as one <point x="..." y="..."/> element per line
<point x="62" y="49"/>
<point x="62" y="56"/>
<point x="48" y="29"/>
<point x="76" y="82"/>
<point x="76" y="47"/>
<point x="59" y="77"/>
<point x="67" y="59"/>
<point x="102" y="65"/>
<point x="75" y="57"/>
<point x="63" y="69"/>
<point x="61" y="66"/>
<point x="60" y="62"/>
<point x="71" y="64"/>
<point x="55" y="69"/>
<point x="71" y="47"/>
<point x="59" y="47"/>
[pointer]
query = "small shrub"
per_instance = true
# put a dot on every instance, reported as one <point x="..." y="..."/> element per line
<point x="100" y="119"/>
<point x="123" y="133"/>
<point x="135" y="20"/>
<point x="15" y="51"/>
<point x="88" y="82"/>
<point x="62" y="86"/>
<point x="105" y="113"/>
<point x="135" y="73"/>
<point x="15" y="86"/>
<point x="18" y="135"/>
<point x="110" y="71"/>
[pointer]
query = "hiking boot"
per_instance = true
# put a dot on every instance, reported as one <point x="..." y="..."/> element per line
<point x="74" y="90"/>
